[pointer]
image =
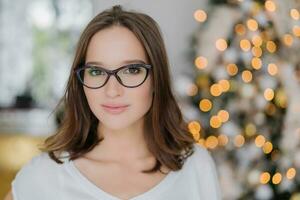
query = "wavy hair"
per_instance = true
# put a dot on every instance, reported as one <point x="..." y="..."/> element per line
<point x="166" y="133"/>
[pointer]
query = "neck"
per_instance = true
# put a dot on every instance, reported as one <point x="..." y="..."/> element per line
<point x="122" y="144"/>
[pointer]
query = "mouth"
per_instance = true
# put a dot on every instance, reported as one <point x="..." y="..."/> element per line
<point x="115" y="109"/>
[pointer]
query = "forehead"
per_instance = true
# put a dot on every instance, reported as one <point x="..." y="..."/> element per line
<point x="115" y="46"/>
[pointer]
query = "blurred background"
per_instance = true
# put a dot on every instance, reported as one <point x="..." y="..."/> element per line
<point x="237" y="69"/>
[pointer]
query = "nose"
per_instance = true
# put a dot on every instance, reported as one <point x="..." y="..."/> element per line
<point x="113" y="87"/>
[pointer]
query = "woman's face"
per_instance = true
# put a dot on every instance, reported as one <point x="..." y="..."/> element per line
<point x="113" y="47"/>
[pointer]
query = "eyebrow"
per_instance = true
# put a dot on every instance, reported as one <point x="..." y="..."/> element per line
<point x="123" y="63"/>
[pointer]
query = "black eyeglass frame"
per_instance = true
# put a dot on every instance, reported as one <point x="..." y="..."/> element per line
<point x="114" y="72"/>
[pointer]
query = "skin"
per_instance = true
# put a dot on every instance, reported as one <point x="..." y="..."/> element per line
<point x="112" y="47"/>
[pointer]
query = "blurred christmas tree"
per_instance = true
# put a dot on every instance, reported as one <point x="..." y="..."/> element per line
<point x="247" y="91"/>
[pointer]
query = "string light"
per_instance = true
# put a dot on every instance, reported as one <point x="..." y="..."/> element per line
<point x="270" y="6"/>
<point x="216" y="89"/>
<point x="194" y="128"/>
<point x="256" y="63"/>
<point x="294" y="14"/>
<point x="215" y="121"/>
<point x="265" y="177"/>
<point x="245" y="45"/>
<point x="252" y="24"/>
<point x="232" y="69"/>
<point x="291" y="173"/>
<point x="221" y="44"/>
<point x="256" y="40"/>
<point x="272" y="69"/>
<point x="256" y="51"/>
<point x="288" y="39"/>
<point x="223" y="115"/>
<point x="246" y="76"/>
<point x="260" y="141"/>
<point x="200" y="15"/>
<point x="269" y="94"/>
<point x="239" y="140"/>
<point x="205" y="105"/>
<point x="201" y="62"/>
<point x="201" y="142"/>
<point x="276" y="179"/>
<point x="222" y="140"/>
<point x="240" y="29"/>
<point x="225" y="85"/>
<point x="268" y="147"/>
<point x="271" y="46"/>
<point x="192" y="90"/>
<point x="296" y="31"/>
<point x="211" y="142"/>
<point x="250" y="129"/>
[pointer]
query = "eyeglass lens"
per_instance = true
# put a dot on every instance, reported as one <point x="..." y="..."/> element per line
<point x="132" y="75"/>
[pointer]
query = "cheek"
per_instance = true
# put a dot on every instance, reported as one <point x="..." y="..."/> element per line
<point x="91" y="98"/>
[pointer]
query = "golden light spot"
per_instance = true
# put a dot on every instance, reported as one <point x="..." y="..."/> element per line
<point x="256" y="63"/>
<point x="247" y="76"/>
<point x="269" y="94"/>
<point x="252" y="24"/>
<point x="192" y="90"/>
<point x="200" y="15"/>
<point x="221" y="44"/>
<point x="225" y="85"/>
<point x="281" y="98"/>
<point x="223" y="140"/>
<point x="216" y="89"/>
<point x="288" y="39"/>
<point x="270" y="6"/>
<point x="260" y="141"/>
<point x="291" y="173"/>
<point x="239" y="140"/>
<point x="276" y="179"/>
<point x="201" y="142"/>
<point x="294" y="14"/>
<point x="296" y="30"/>
<point x="245" y="45"/>
<point x="205" y="105"/>
<point x="215" y="121"/>
<point x="272" y="69"/>
<point x="268" y="147"/>
<point x="194" y="128"/>
<point x="271" y="109"/>
<point x="265" y="177"/>
<point x="202" y="81"/>
<point x="256" y="51"/>
<point x="232" y="69"/>
<point x="250" y="129"/>
<point x="257" y="40"/>
<point x="271" y="46"/>
<point x="211" y="142"/>
<point x="201" y="62"/>
<point x="240" y="29"/>
<point x="223" y="115"/>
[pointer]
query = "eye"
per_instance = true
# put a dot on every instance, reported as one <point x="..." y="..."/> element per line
<point x="133" y="69"/>
<point x="95" y="71"/>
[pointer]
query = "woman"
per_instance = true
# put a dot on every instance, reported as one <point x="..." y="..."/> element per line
<point x="123" y="135"/>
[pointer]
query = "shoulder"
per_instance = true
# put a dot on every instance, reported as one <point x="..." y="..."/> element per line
<point x="206" y="171"/>
<point x="202" y="156"/>
<point x="30" y="179"/>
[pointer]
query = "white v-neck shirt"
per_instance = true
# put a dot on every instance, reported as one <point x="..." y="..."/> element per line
<point x="43" y="179"/>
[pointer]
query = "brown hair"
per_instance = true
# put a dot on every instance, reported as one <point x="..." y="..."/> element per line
<point x="166" y="133"/>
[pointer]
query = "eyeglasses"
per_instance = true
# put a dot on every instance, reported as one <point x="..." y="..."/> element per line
<point x="131" y="76"/>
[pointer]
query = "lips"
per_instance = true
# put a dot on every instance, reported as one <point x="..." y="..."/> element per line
<point x="114" y="105"/>
<point x="114" y="108"/>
